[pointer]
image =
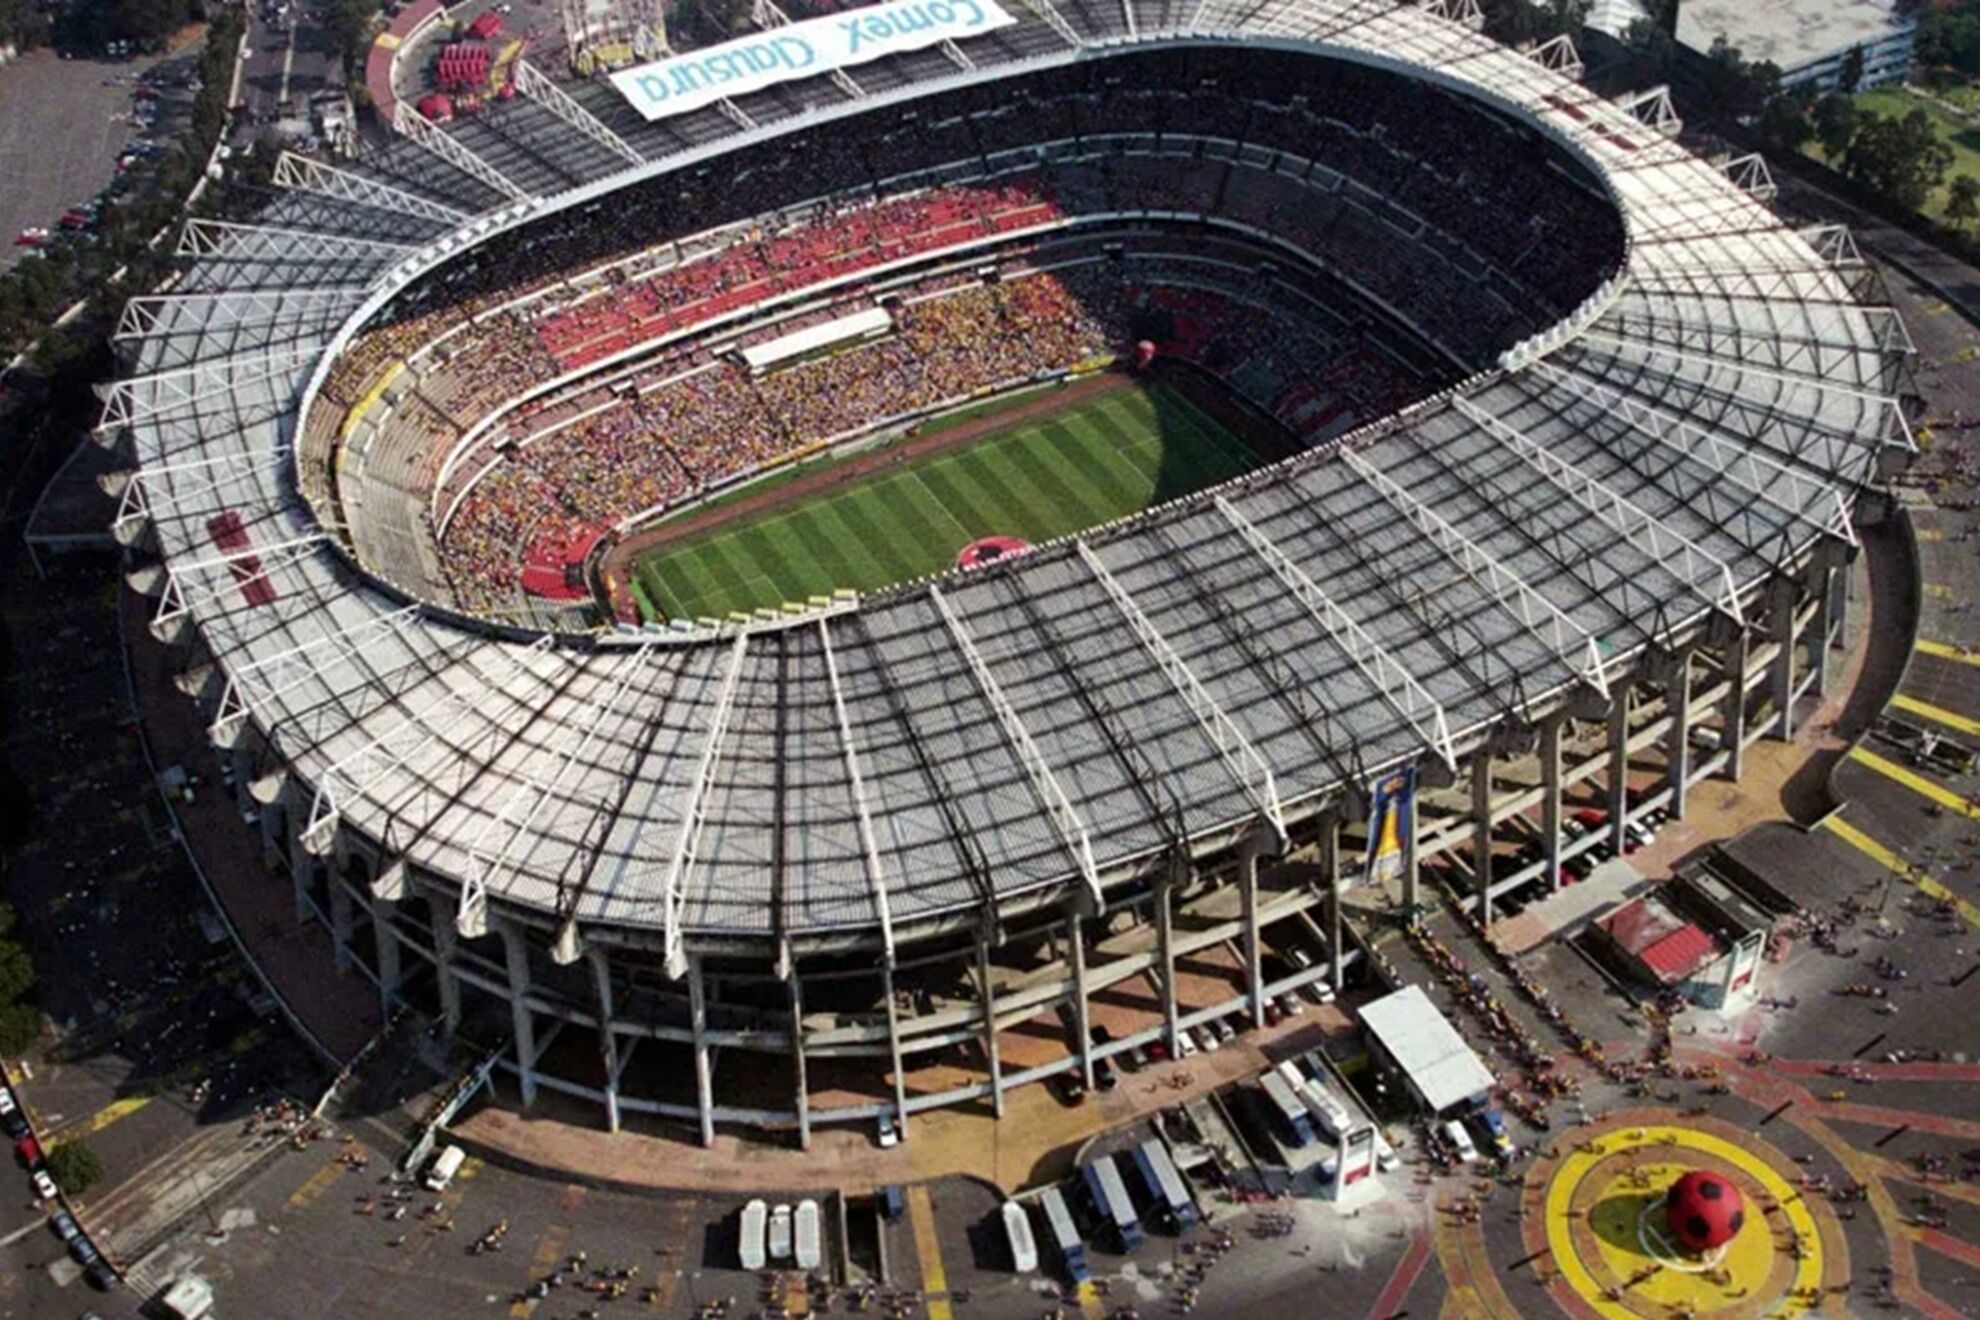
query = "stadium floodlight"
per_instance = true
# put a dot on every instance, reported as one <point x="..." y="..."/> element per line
<point x="1240" y="756"/>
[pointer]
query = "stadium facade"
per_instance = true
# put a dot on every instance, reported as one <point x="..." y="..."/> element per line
<point x="847" y="842"/>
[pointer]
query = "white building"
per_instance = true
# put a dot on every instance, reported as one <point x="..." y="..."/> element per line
<point x="1808" y="39"/>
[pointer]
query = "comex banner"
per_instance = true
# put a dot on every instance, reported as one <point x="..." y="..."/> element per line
<point x="802" y="50"/>
<point x="1390" y="819"/>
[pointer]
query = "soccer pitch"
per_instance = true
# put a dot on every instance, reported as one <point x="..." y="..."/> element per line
<point x="1101" y="459"/>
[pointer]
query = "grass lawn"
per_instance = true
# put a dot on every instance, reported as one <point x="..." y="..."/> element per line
<point x="1096" y="461"/>
<point x="1963" y="138"/>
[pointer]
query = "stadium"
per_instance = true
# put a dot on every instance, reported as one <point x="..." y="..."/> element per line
<point x="849" y="577"/>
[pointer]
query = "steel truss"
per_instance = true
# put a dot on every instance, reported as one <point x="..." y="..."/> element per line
<point x="145" y="398"/>
<point x="412" y="124"/>
<point x="1046" y="10"/>
<point x="876" y="875"/>
<point x="1072" y="829"/>
<point x="302" y="174"/>
<point x="1736" y="463"/>
<point x="179" y="597"/>
<point x="356" y="775"/>
<point x="149" y="316"/>
<point x="238" y="242"/>
<point x="694" y="809"/>
<point x="519" y="812"/>
<point x="147" y="492"/>
<point x="1652" y="107"/>
<point x="553" y="98"/>
<point x="1573" y="644"/>
<point x="1558" y="55"/>
<point x="1708" y="576"/>
<point x="1386" y="674"/>
<point x="1244" y="761"/>
<point x="766" y="14"/>
<point x="250" y="687"/>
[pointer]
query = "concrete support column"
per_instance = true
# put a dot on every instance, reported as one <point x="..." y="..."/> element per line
<point x="1550" y="799"/>
<point x="894" y="1048"/>
<point x="989" y="996"/>
<point x="1254" y="976"/>
<point x="386" y="936"/>
<point x="1410" y="877"/>
<point x="515" y="956"/>
<point x="1076" y="949"/>
<point x="608" y="1044"/>
<point x="1165" y="954"/>
<point x="704" y="1082"/>
<point x="803" y="1085"/>
<point x="300" y="863"/>
<point x="1732" y="717"/>
<point x="1839" y="605"/>
<point x="1330" y="870"/>
<point x="1677" y="738"/>
<point x="1618" y="771"/>
<point x="1783" y="670"/>
<point x="444" y="940"/>
<point x="341" y="923"/>
<point x="1481" y="840"/>
<point x="1823" y="628"/>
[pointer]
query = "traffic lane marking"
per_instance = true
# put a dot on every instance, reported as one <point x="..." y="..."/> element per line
<point x="928" y="1251"/>
<point x="1937" y="714"/>
<point x="1890" y="861"/>
<point x="1917" y="783"/>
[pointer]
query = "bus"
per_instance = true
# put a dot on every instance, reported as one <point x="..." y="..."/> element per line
<point x="1165" y="1184"/>
<point x="1292" y="1113"/>
<point x="1110" y="1198"/>
<point x="1065" y="1236"/>
<point x="1331" y="1116"/>
<point x="445" y="1165"/>
<point x="1017" y="1227"/>
<point x="755" y="1219"/>
<point x="807" y="1235"/>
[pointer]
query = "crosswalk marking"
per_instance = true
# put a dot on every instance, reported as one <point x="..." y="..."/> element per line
<point x="318" y="1183"/>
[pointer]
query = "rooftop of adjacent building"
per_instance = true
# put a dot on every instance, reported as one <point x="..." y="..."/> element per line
<point x="1790" y="33"/>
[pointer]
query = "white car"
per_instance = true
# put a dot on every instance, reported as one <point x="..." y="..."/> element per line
<point x="44" y="1186"/>
<point x="890" y="1136"/>
<point x="1226" y="1033"/>
<point x="1290" y="1004"/>
<point x="1207" y="1038"/>
<point x="780" y="1233"/>
<point x="1185" y="1044"/>
<point x="1460" y="1141"/>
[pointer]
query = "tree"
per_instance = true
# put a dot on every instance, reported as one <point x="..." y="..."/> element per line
<point x="1963" y="200"/>
<point x="1836" y="120"/>
<point x="16" y="971"/>
<point x="1851" y="76"/>
<point x="1784" y="123"/>
<point x="20" y="1028"/>
<point x="1734" y="89"/>
<point x="75" y="1167"/>
<point x="1900" y="158"/>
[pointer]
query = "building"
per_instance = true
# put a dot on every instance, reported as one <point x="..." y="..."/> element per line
<point x="1412" y="1041"/>
<point x="1809" y="40"/>
<point x="1695" y="936"/>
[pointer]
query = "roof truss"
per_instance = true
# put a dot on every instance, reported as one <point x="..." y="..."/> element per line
<point x="302" y="174"/>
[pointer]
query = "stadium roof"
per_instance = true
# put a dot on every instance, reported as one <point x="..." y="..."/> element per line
<point x="1699" y="427"/>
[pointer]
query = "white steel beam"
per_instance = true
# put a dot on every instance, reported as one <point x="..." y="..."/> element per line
<point x="1709" y="577"/>
<point x="1245" y="763"/>
<point x="199" y="313"/>
<point x="521" y="807"/>
<point x="184" y="590"/>
<point x="224" y="238"/>
<point x="1072" y="829"/>
<point x="1574" y="644"/>
<point x="694" y="807"/>
<point x="1127" y="12"/>
<point x="876" y="875"/>
<point x="554" y="99"/>
<point x="442" y="145"/>
<point x="1750" y="469"/>
<point x="136" y="399"/>
<point x="146" y="493"/>
<point x="1056" y="21"/>
<point x="737" y="115"/>
<point x="956" y="56"/>
<point x="1558" y="55"/>
<point x="302" y="174"/>
<point x="1386" y="674"/>
<point x="768" y="15"/>
<point x="250" y="687"/>
<point x="359" y="773"/>
<point x="1653" y="107"/>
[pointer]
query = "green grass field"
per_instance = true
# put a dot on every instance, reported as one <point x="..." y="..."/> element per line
<point x="1039" y="479"/>
<point x="1962" y="137"/>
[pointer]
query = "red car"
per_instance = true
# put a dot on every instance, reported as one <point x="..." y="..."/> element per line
<point x="29" y="1151"/>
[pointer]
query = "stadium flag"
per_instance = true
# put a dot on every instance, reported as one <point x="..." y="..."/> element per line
<point x="804" y="49"/>
<point x="1390" y="820"/>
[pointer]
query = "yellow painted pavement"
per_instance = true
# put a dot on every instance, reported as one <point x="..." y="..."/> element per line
<point x="319" y="1183"/>
<point x="549" y="1251"/>
<point x="1890" y="861"/>
<point x="934" y="1278"/>
<point x="1946" y="651"/>
<point x="1937" y="714"/>
<point x="1916" y="782"/>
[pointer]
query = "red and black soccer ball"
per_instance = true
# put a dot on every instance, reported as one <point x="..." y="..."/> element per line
<point x="1704" y="1211"/>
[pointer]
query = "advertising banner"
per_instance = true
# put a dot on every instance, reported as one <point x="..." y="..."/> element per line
<point x="681" y="83"/>
<point x="1390" y="819"/>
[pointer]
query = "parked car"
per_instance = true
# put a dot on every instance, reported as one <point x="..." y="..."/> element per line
<point x="1460" y="1142"/>
<point x="780" y="1233"/>
<point x="29" y="1151"/>
<point x="102" y="1276"/>
<point x="44" y="1186"/>
<point x="890" y="1135"/>
<point x="1226" y="1033"/>
<point x="1492" y="1127"/>
<point x="12" y="1121"/>
<point x="83" y="1252"/>
<point x="1289" y="1003"/>
<point x="65" y="1225"/>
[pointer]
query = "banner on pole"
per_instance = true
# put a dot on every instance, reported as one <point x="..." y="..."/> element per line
<point x="815" y="46"/>
<point x="1391" y="816"/>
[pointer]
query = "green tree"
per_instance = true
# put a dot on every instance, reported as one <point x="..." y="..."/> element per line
<point x="16" y="971"/>
<point x="20" y="1028"/>
<point x="1963" y="200"/>
<point x="1836" y="120"/>
<point x="75" y="1167"/>
<point x="1784" y="123"/>
<point x="1900" y="158"/>
<point x="1851" y="76"/>
<point x="1734" y="89"/>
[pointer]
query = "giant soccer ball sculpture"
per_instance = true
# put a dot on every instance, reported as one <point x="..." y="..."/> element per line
<point x="1703" y="1211"/>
